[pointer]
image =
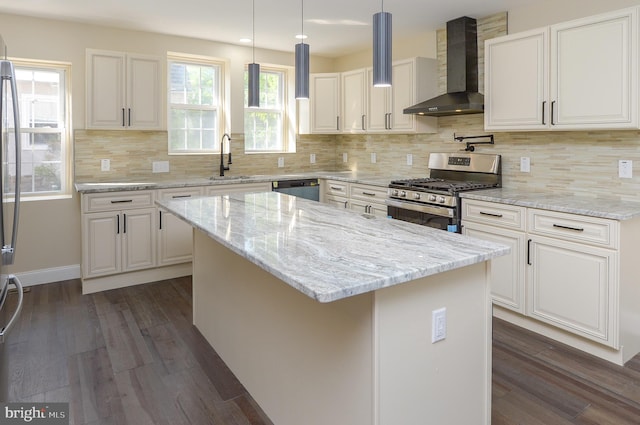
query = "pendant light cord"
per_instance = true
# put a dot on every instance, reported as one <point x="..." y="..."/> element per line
<point x="302" y="21"/>
<point x="253" y="27"/>
<point x="383" y="5"/>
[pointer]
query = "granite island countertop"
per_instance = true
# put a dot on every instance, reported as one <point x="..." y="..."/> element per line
<point x="116" y="186"/>
<point x="562" y="202"/>
<point x="325" y="252"/>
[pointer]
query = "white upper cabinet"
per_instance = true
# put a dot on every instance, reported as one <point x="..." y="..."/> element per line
<point x="124" y="91"/>
<point x="325" y="103"/>
<point x="354" y="98"/>
<point x="366" y="108"/>
<point x="576" y="75"/>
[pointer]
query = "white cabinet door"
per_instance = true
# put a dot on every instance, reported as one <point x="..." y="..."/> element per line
<point x="138" y="239"/>
<point x="594" y="81"/>
<point x="507" y="272"/>
<point x="123" y="91"/>
<point x="325" y="103"/>
<point x="144" y="92"/>
<point x="354" y="98"/>
<point x="106" y="77"/>
<point x="516" y="82"/>
<point x="101" y="253"/>
<point x="378" y="105"/>
<point x="175" y="239"/>
<point x="572" y="286"/>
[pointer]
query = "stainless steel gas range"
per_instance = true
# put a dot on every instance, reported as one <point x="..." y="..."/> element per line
<point x="434" y="201"/>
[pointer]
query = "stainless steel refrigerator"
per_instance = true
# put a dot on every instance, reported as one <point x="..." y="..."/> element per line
<point x="9" y="213"/>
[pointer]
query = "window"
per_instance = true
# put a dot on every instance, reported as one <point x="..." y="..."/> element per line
<point x="44" y="126"/>
<point x="267" y="128"/>
<point x="195" y="104"/>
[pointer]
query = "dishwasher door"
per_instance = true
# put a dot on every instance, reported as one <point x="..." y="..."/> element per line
<point x="303" y="188"/>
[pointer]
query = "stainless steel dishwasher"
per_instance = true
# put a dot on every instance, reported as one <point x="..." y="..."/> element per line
<point x="302" y="188"/>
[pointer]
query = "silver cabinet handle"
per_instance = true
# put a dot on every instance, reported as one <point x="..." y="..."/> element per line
<point x="160" y="219"/>
<point x="124" y="201"/>
<point x="129" y="117"/>
<point x="553" y="104"/>
<point x="180" y="196"/>
<point x="124" y="225"/>
<point x="345" y="203"/>
<point x="118" y="224"/>
<point x="339" y="189"/>
<point x="123" y="123"/>
<point x="544" y="104"/>
<point x="368" y="193"/>
<point x="363" y="121"/>
<point x="16" y="281"/>
<point x="338" y="123"/>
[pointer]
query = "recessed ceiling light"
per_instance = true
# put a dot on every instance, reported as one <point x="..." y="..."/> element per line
<point x="301" y="36"/>
<point x="245" y="40"/>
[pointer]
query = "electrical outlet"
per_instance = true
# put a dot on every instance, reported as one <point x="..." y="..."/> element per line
<point x="105" y="165"/>
<point x="525" y="164"/>
<point x="438" y="325"/>
<point x="160" y="167"/>
<point x="312" y="158"/>
<point x="625" y="169"/>
<point x="281" y="162"/>
<point x="373" y="157"/>
<point x="345" y="157"/>
<point x="409" y="159"/>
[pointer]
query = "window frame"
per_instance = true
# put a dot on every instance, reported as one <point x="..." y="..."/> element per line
<point x="66" y="143"/>
<point x="288" y="110"/>
<point x="222" y="113"/>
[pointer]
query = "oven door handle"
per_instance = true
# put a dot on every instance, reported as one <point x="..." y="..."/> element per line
<point x="429" y="209"/>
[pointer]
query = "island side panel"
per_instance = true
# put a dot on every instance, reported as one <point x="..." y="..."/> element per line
<point x="304" y="362"/>
<point x="444" y="383"/>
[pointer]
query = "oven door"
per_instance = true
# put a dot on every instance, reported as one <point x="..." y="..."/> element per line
<point x="443" y="218"/>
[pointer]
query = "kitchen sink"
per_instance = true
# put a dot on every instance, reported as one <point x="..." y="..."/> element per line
<point x="213" y="178"/>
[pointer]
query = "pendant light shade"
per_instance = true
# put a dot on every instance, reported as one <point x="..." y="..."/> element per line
<point x="382" y="49"/>
<point x="254" y="85"/>
<point x="302" y="71"/>
<point x="302" y="65"/>
<point x="253" y="100"/>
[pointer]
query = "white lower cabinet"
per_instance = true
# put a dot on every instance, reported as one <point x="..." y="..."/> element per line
<point x="334" y="192"/>
<point x="118" y="241"/>
<point x="368" y="199"/>
<point x="175" y="241"/>
<point x="569" y="276"/>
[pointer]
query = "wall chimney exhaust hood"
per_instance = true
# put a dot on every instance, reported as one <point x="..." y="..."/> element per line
<point x="462" y="95"/>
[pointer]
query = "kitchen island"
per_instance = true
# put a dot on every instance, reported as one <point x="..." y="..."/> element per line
<point x="325" y="315"/>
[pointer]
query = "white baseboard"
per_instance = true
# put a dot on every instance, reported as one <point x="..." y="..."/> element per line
<point x="55" y="274"/>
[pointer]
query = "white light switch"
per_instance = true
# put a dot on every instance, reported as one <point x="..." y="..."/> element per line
<point x="345" y="157"/>
<point x="409" y="159"/>
<point x="438" y="325"/>
<point x="312" y="158"/>
<point x="280" y="161"/>
<point x="625" y="169"/>
<point x="373" y="157"/>
<point x="160" y="167"/>
<point x="105" y="165"/>
<point x="525" y="164"/>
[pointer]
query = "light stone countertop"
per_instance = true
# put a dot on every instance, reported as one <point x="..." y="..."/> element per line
<point x="575" y="204"/>
<point x="115" y="186"/>
<point x="328" y="253"/>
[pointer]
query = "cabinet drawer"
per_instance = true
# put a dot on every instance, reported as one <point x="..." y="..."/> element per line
<point x="116" y="201"/>
<point x="373" y="194"/>
<point x="179" y="193"/>
<point x="573" y="227"/>
<point x="337" y="188"/>
<point x="508" y="216"/>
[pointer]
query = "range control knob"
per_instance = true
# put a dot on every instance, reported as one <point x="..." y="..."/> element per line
<point x="416" y="196"/>
<point x="395" y="192"/>
<point x="441" y="199"/>
<point x="403" y="194"/>
<point x="432" y="198"/>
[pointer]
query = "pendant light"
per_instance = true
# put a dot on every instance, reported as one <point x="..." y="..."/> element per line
<point x="302" y="64"/>
<point x="382" y="48"/>
<point x="254" y="69"/>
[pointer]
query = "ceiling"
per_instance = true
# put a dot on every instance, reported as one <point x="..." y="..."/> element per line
<point x="334" y="27"/>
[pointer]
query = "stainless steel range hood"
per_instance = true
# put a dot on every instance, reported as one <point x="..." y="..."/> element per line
<point x="462" y="95"/>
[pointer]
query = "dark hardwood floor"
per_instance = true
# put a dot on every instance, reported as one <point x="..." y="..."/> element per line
<point x="131" y="356"/>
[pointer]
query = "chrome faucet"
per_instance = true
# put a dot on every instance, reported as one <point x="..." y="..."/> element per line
<point x="222" y="167"/>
